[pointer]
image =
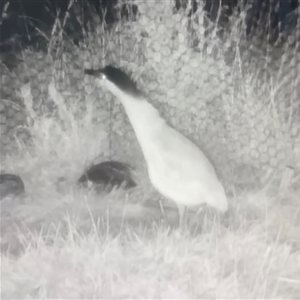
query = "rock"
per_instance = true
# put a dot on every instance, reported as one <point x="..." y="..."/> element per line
<point x="108" y="174"/>
<point x="11" y="185"/>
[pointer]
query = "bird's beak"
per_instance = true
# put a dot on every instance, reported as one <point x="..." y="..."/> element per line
<point x="95" y="73"/>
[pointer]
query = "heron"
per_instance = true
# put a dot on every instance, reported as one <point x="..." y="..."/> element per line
<point x="177" y="168"/>
<point x="11" y="185"/>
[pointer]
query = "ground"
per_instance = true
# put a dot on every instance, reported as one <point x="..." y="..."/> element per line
<point x="67" y="242"/>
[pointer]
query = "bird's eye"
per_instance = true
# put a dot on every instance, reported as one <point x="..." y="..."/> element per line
<point x="103" y="76"/>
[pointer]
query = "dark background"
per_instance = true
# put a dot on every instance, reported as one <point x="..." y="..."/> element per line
<point x="20" y="21"/>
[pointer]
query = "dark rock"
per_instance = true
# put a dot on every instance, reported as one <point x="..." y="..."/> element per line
<point x="109" y="174"/>
<point x="11" y="185"/>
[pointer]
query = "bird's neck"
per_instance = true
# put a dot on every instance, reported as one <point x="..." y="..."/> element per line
<point x="144" y="118"/>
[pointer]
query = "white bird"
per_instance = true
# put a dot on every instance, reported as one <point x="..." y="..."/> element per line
<point x="177" y="168"/>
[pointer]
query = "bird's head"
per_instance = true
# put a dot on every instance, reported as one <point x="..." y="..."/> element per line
<point x="116" y="81"/>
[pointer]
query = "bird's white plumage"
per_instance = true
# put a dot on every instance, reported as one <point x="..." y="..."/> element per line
<point x="177" y="168"/>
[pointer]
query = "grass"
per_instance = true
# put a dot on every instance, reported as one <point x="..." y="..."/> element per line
<point x="63" y="242"/>
<point x="81" y="247"/>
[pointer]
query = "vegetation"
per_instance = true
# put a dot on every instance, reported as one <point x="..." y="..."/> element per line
<point x="240" y="106"/>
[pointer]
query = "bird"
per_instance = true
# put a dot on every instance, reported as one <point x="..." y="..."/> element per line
<point x="11" y="185"/>
<point x="109" y="174"/>
<point x="176" y="167"/>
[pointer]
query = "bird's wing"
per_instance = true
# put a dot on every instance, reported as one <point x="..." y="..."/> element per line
<point x="176" y="158"/>
<point x="179" y="170"/>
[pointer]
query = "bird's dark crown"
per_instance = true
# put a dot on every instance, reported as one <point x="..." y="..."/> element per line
<point x="117" y="76"/>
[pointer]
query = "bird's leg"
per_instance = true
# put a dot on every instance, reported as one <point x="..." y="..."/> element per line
<point x="181" y="212"/>
<point x="162" y="209"/>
